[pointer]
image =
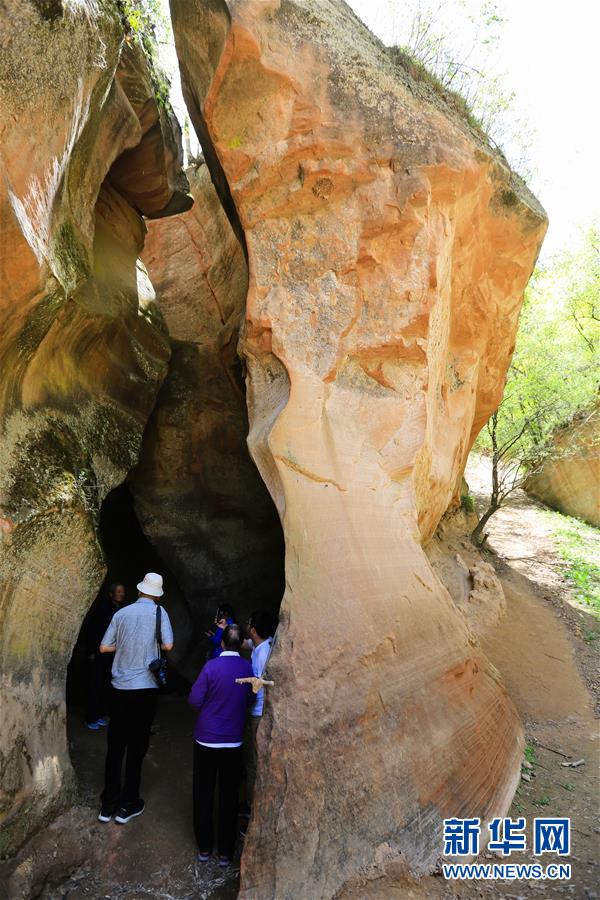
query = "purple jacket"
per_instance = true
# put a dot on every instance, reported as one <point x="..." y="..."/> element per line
<point x="221" y="703"/>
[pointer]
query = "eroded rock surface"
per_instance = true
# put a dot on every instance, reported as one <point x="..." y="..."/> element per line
<point x="388" y="252"/>
<point x="83" y="351"/>
<point x="471" y="582"/>
<point x="570" y="480"/>
<point x="198" y="495"/>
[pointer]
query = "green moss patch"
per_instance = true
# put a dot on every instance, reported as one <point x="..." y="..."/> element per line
<point x="70" y="258"/>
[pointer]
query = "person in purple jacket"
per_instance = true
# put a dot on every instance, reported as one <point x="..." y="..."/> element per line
<point x="222" y="708"/>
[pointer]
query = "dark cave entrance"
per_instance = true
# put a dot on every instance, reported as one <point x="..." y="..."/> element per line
<point x="129" y="555"/>
<point x="167" y="771"/>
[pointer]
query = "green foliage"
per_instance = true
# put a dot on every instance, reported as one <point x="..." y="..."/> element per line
<point x="146" y="16"/>
<point x="418" y="71"/>
<point x="146" y="22"/>
<point x="579" y="546"/>
<point x="589" y="635"/>
<point x="554" y="374"/>
<point x="580" y="274"/>
<point x="529" y="753"/>
<point x="467" y="502"/>
<point x="543" y="801"/>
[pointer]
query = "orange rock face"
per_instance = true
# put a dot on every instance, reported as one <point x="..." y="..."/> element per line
<point x="83" y="351"/>
<point x="570" y="480"/>
<point x="388" y="252"/>
<point x="198" y="495"/>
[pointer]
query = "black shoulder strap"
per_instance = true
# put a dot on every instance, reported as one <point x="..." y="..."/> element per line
<point x="158" y="630"/>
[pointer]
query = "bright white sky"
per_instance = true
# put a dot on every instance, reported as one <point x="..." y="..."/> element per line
<point x="548" y="53"/>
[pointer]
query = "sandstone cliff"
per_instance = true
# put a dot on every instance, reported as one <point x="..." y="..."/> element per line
<point x="85" y="151"/>
<point x="388" y="251"/>
<point x="569" y="480"/>
<point x="198" y="496"/>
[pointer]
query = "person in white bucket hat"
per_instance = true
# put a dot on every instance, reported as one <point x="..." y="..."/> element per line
<point x="151" y="586"/>
<point x="131" y="636"/>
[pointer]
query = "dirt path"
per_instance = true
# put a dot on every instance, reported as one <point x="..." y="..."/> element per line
<point x="154" y="855"/>
<point x="523" y="539"/>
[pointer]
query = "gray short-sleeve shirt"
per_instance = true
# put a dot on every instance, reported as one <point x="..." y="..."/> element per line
<point x="133" y="631"/>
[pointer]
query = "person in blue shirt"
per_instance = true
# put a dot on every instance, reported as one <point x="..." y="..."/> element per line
<point x="131" y="639"/>
<point x="261" y="630"/>
<point x="225" y="616"/>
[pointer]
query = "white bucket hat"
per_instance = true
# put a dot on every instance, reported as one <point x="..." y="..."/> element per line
<point x="152" y="584"/>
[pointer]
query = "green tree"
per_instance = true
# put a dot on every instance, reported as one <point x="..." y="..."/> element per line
<point x="554" y="375"/>
<point x="456" y="42"/>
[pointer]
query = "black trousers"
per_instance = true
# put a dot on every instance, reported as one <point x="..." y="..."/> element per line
<point x="210" y="765"/>
<point x="131" y="717"/>
<point x="98" y="686"/>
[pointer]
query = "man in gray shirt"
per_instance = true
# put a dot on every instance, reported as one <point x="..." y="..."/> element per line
<point x="131" y="636"/>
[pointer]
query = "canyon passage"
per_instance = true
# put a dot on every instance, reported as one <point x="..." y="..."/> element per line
<point x="279" y="362"/>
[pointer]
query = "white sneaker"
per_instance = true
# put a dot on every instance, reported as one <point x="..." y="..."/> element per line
<point x="130" y="811"/>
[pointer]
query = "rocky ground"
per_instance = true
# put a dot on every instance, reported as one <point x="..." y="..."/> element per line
<point x="543" y="650"/>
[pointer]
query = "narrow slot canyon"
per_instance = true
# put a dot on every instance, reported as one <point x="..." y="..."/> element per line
<point x="194" y="508"/>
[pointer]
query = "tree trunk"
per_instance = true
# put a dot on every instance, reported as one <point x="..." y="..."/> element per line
<point x="477" y="534"/>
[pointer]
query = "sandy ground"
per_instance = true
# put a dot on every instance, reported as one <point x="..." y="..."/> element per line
<point x="550" y="672"/>
<point x="523" y="543"/>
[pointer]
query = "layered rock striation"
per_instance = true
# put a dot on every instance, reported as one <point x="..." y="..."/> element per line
<point x="388" y="250"/>
<point x="569" y="478"/>
<point x="198" y="495"/>
<point x="85" y="152"/>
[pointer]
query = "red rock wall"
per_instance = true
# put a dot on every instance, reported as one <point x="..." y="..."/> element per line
<point x="388" y="252"/>
<point x="83" y="351"/>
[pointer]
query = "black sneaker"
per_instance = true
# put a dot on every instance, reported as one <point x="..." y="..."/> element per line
<point x="244" y="811"/>
<point x="106" y="813"/>
<point x="129" y="811"/>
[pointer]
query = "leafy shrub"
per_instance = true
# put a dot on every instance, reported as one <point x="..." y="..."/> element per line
<point x="467" y="502"/>
<point x="579" y="546"/>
